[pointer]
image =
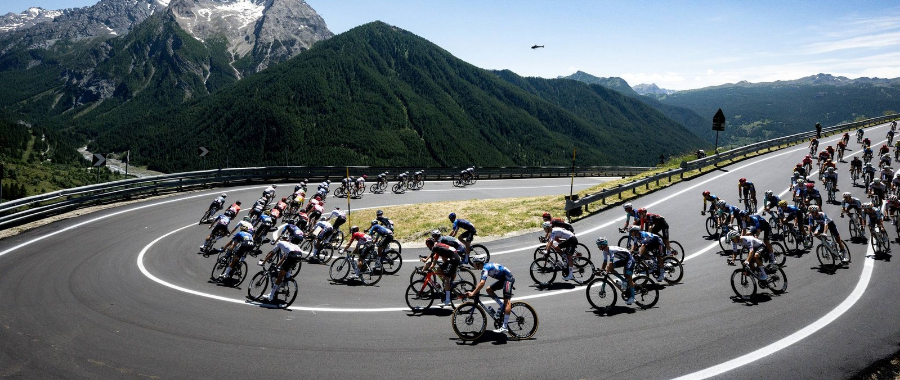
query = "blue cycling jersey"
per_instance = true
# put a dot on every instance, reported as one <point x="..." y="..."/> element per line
<point x="464" y="224"/>
<point x="242" y="237"/>
<point x="790" y="210"/>
<point x="380" y="230"/>
<point x="496" y="271"/>
<point x="453" y="242"/>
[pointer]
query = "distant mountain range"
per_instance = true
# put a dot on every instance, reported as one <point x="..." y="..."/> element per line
<point x="651" y="89"/>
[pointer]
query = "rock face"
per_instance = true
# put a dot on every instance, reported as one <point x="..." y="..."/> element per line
<point x="651" y="89"/>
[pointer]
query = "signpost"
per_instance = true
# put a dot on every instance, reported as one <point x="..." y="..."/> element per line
<point x="97" y="161"/>
<point x="718" y="126"/>
<point x="203" y="152"/>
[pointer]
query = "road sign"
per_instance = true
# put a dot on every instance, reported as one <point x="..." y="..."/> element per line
<point x="99" y="159"/>
<point x="203" y="151"/>
<point x="719" y="121"/>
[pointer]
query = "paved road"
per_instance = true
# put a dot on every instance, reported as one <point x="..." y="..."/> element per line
<point x="106" y="297"/>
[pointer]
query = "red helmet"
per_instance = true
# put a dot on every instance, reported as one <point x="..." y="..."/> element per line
<point x="810" y="185"/>
<point x="799" y="165"/>
<point x="808" y="156"/>
<point x="365" y="176"/>
<point x="742" y="180"/>
<point x="546" y="215"/>
<point x="706" y="193"/>
<point x="642" y="210"/>
<point x="284" y="199"/>
<point x="884" y="146"/>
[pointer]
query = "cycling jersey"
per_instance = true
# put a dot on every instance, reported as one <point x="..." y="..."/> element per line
<point x="466" y="225"/>
<point x="280" y="206"/>
<point x="269" y="192"/>
<point x="453" y="242"/>
<point x="243" y="237"/>
<point x="790" y="213"/>
<point x="853" y="203"/>
<point x="445" y="252"/>
<point x="245" y="224"/>
<point x="293" y="230"/>
<point x="651" y="240"/>
<point x="495" y="271"/>
<point x="557" y="222"/>
<point x="712" y="199"/>
<point x="361" y="239"/>
<point x="380" y="231"/>
<point x="748" y="242"/>
<point x="219" y="201"/>
<point x="265" y="220"/>
<point x="290" y="251"/>
<point x="235" y="208"/>
<point x="771" y="201"/>
<point x="856" y="163"/>
<point x="384" y="221"/>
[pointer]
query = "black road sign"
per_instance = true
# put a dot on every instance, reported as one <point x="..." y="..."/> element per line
<point x="203" y="151"/>
<point x="719" y="121"/>
<point x="99" y="159"/>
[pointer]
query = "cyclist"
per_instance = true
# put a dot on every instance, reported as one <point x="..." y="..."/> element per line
<point x="451" y="241"/>
<point x="872" y="217"/>
<point x="323" y="232"/>
<point x="316" y="209"/>
<point x="727" y="213"/>
<point x="265" y="224"/>
<point x="297" y="200"/>
<point x="243" y="223"/>
<point x="831" y="176"/>
<point x="382" y="178"/>
<point x="290" y="255"/>
<point x="887" y="175"/>
<point x="629" y="213"/>
<point x="292" y="230"/>
<point x="383" y="236"/>
<point x="812" y="194"/>
<point x="383" y="220"/>
<point x="895" y="183"/>
<point x="362" y="240"/>
<point x="450" y="258"/>
<point x="859" y="135"/>
<point x="653" y="243"/>
<point x="845" y="138"/>
<point x="402" y="177"/>
<point x="807" y="165"/>
<point x="869" y="169"/>
<point x="754" y="224"/>
<point x="618" y="257"/>
<point x="830" y="150"/>
<point x="883" y="150"/>
<point x="281" y="205"/>
<point x="242" y="242"/>
<point x="257" y="209"/>
<point x="822" y="158"/>
<point x="269" y="192"/>
<point x="841" y="148"/>
<point x="219" y="202"/>
<point x="787" y="214"/>
<point x="813" y="145"/>
<point x="340" y="217"/>
<point x="890" y="136"/>
<point x="890" y="206"/>
<point x="856" y="166"/>
<point x="828" y="164"/>
<point x="418" y="176"/>
<point x="234" y="209"/>
<point x="885" y="160"/>
<point x="322" y="190"/>
<point x="867" y="155"/>
<point x="301" y="220"/>
<point x="361" y="183"/>
<point x="557" y="222"/>
<point x="219" y="227"/>
<point x="867" y="143"/>
<point x="345" y="183"/>
<point x="748" y="190"/>
<point x="876" y="192"/>
<point x="505" y="281"/>
<point x="706" y="197"/>
<point x="770" y="201"/>
<point x="467" y="236"/>
<point x="818" y="222"/>
<point x="752" y="244"/>
<point x="566" y="242"/>
<point x="300" y="187"/>
<point x="850" y="204"/>
<point x="656" y="224"/>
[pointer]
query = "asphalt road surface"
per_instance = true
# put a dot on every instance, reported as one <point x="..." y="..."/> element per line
<point x="122" y="293"/>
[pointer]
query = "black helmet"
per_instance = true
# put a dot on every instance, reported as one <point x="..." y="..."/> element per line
<point x="379" y="213"/>
<point x="354" y="229"/>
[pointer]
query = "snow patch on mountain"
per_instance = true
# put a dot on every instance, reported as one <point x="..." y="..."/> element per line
<point x="34" y="15"/>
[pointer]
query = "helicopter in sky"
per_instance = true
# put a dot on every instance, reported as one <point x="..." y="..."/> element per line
<point x="537" y="46"/>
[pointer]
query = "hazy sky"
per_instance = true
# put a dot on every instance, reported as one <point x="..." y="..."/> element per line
<point x="675" y="44"/>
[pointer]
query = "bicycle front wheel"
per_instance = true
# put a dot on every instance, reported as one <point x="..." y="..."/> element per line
<point x="712" y="227"/>
<point x="601" y="294"/>
<point x="646" y="292"/>
<point x="469" y="321"/>
<point x="583" y="251"/>
<point x="391" y="262"/>
<point x="372" y="274"/>
<point x="480" y="249"/>
<point x="459" y="290"/>
<point x="582" y="269"/>
<point x="420" y="296"/>
<point x="543" y="272"/>
<point x="258" y="286"/>
<point x="777" y="279"/>
<point x="324" y="254"/>
<point x="825" y="258"/>
<point x="743" y="284"/>
<point x="539" y="252"/>
<point x="523" y="321"/>
<point x="779" y="254"/>
<point x="306" y="248"/>
<point x="395" y="245"/>
<point x="677" y="250"/>
<point x="287" y="293"/>
<point x="673" y="269"/>
<point x="339" y="270"/>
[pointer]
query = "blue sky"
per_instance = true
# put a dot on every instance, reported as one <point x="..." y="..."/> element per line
<point x="675" y="44"/>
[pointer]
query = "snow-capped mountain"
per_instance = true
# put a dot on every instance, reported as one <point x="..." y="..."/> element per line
<point x="652" y="89"/>
<point x="12" y="21"/>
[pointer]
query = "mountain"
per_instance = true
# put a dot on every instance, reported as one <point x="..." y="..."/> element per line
<point x="757" y="111"/>
<point x="689" y="119"/>
<point x="31" y="17"/>
<point x="651" y="89"/>
<point x="380" y="95"/>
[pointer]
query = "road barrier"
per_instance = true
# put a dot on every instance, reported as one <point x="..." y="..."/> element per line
<point x="27" y="209"/>
<point x="575" y="206"/>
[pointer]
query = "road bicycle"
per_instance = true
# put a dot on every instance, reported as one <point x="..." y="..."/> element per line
<point x="648" y="265"/>
<point x="676" y="251"/>
<point x="207" y="248"/>
<point x="262" y="283"/>
<point x="469" y="319"/>
<point x="829" y="187"/>
<point x="749" y="205"/>
<point x="369" y="274"/>
<point x="603" y="292"/>
<point x="421" y="294"/>
<point x="211" y="212"/>
<point x="543" y="270"/>
<point x="238" y="273"/>
<point x="462" y="181"/>
<point x="829" y="254"/>
<point x="776" y="257"/>
<point x="400" y="187"/>
<point x="880" y="241"/>
<point x="378" y="187"/>
<point x="745" y="280"/>
<point x="581" y="250"/>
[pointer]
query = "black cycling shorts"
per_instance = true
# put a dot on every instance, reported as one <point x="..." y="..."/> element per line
<point x="568" y="246"/>
<point x="661" y="228"/>
<point x="506" y="285"/>
<point x="468" y="235"/>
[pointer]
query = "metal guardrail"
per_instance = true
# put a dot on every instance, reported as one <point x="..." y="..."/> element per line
<point x="573" y="206"/>
<point x="26" y="209"/>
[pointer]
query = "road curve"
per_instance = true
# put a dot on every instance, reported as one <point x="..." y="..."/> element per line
<point x="91" y="297"/>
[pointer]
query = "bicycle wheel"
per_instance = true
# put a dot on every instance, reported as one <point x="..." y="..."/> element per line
<point x="209" y="213"/>
<point x="417" y="274"/>
<point x="465" y="274"/>
<point x="480" y="249"/>
<point x="391" y="262"/>
<point x="601" y="294"/>
<point x="374" y="188"/>
<point x="885" y="241"/>
<point x="339" y="270"/>
<point x="258" y="286"/>
<point x="583" y="251"/>
<point x="539" y="252"/>
<point x="469" y="321"/>
<point x="324" y="254"/>
<point x="543" y="272"/>
<point x="295" y="270"/>
<point x="338" y="238"/>
<point x="239" y="274"/>
<point x="646" y="292"/>
<point x="743" y="284"/>
<point x="372" y="274"/>
<point x="777" y="279"/>
<point x="458" y="292"/>
<point x="218" y="268"/>
<point x="674" y="270"/>
<point x="306" y="248"/>
<point x="396" y="188"/>
<point x="523" y="321"/>
<point x="677" y="250"/>
<point x="793" y="241"/>
<point x="583" y="270"/>
<point x="395" y="245"/>
<point x="420" y="296"/>
<point x="712" y="226"/>
<point x="779" y="253"/>
<point x="725" y="244"/>
<point x="624" y="242"/>
<point x="457" y="183"/>
<point x="286" y="293"/>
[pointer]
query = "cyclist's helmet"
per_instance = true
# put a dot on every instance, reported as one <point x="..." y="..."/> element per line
<point x="877" y="180"/>
<point x="354" y="229"/>
<point x="274" y="186"/>
<point x="452" y="216"/>
<point x="742" y="180"/>
<point x="328" y="181"/>
<point x="379" y="213"/>
<point x="478" y="258"/>
<point x="642" y="210"/>
<point x="892" y="198"/>
<point x="847" y="194"/>
<point x="733" y="235"/>
<point x="435" y="234"/>
<point x="810" y="185"/>
<point x="546" y="225"/>
<point x="830" y="170"/>
<point x="634" y="229"/>
<point x="244" y="227"/>
<point x="224" y="195"/>
<point x="706" y="193"/>
<point x="867" y="206"/>
<point x="429" y="243"/>
<point x="284" y="199"/>
<point x="627" y="206"/>
<point x="238" y="203"/>
<point x="782" y="204"/>
<point x="742" y="214"/>
<point x="720" y="204"/>
<point x="808" y="156"/>
<point x="602" y="241"/>
<point x="813" y="208"/>
<point x="546" y="215"/>
<point x="247" y="218"/>
<point x="868" y="164"/>
<point x="769" y="193"/>
<point x="374" y="222"/>
<point x="365" y="176"/>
